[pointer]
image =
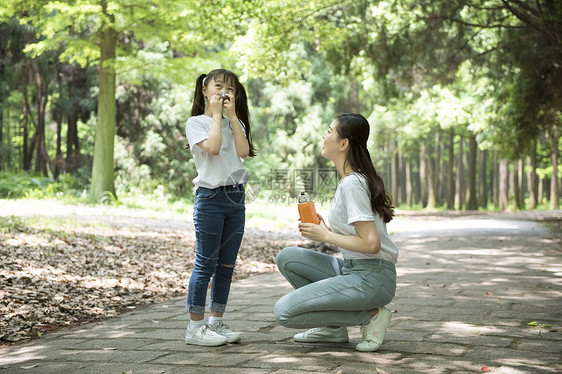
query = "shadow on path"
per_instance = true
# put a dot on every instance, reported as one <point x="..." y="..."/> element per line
<point x="472" y="292"/>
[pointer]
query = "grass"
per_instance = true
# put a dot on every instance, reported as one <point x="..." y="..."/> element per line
<point x="259" y="213"/>
<point x="275" y="211"/>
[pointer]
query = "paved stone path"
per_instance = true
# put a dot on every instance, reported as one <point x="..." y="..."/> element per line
<point x="468" y="288"/>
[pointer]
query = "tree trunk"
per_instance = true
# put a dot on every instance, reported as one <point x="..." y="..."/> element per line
<point x="103" y="170"/>
<point x="416" y="180"/>
<point x="72" y="144"/>
<point x="504" y="184"/>
<point x="58" y="166"/>
<point x="41" y="156"/>
<point x="387" y="175"/>
<point x="540" y="190"/>
<point x="522" y="182"/>
<point x="58" y="163"/>
<point x="532" y="178"/>
<point x="554" y="204"/>
<point x="29" y="146"/>
<point x="3" y="158"/>
<point x="431" y="201"/>
<point x="401" y="179"/>
<point x="1" y="135"/>
<point x="394" y="174"/>
<point x="482" y="179"/>
<point x="460" y="176"/>
<point x="423" y="175"/>
<point x="496" y="180"/>
<point x="26" y="156"/>
<point x="438" y="179"/>
<point x="450" y="171"/>
<point x="516" y="187"/>
<point x="409" y="189"/>
<point x="353" y="102"/>
<point x="471" y="200"/>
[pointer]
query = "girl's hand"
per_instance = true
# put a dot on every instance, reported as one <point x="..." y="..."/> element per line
<point x="229" y="105"/>
<point x="314" y="232"/>
<point x="216" y="105"/>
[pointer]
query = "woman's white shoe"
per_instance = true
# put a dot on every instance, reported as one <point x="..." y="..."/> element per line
<point x="323" y="335"/>
<point x="373" y="333"/>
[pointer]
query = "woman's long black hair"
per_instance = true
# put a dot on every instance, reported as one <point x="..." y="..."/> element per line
<point x="355" y="128"/>
<point x="240" y="100"/>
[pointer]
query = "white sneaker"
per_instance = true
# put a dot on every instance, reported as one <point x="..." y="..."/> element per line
<point x="223" y="329"/>
<point x="204" y="335"/>
<point x="323" y="335"/>
<point x="373" y="333"/>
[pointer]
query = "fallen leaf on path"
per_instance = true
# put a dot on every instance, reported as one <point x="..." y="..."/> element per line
<point x="85" y="272"/>
<point x="29" y="367"/>
<point x="535" y="323"/>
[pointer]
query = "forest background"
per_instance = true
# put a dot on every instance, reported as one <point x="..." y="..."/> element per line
<point x="464" y="98"/>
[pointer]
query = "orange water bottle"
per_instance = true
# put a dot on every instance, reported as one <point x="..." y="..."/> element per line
<point x="307" y="211"/>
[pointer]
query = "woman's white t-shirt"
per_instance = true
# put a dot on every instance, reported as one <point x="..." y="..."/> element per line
<point x="224" y="169"/>
<point x="352" y="204"/>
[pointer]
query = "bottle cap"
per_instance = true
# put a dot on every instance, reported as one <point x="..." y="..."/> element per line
<point x="304" y="197"/>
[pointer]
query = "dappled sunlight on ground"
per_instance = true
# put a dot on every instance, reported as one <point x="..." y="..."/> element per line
<point x="472" y="291"/>
<point x="27" y="353"/>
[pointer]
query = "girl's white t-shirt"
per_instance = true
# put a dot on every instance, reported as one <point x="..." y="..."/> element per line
<point x="224" y="169"/>
<point x="352" y="204"/>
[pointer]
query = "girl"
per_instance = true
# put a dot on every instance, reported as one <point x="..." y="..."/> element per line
<point x="218" y="144"/>
<point x="332" y="293"/>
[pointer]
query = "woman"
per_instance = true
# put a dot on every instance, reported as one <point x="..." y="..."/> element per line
<point x="331" y="293"/>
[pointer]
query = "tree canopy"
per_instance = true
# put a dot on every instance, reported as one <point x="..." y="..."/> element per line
<point x="427" y="74"/>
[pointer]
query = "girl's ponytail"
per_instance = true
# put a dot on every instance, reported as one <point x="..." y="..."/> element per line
<point x="243" y="114"/>
<point x="198" y="106"/>
<point x="198" y="99"/>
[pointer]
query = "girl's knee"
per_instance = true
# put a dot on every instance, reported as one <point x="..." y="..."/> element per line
<point x="224" y="271"/>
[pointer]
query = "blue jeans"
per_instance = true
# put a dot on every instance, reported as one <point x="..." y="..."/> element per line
<point x="218" y="217"/>
<point x="330" y="291"/>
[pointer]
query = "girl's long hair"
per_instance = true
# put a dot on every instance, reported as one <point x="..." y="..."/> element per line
<point x="240" y="100"/>
<point x="355" y="128"/>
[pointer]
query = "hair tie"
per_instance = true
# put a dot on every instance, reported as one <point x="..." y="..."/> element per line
<point x="357" y="141"/>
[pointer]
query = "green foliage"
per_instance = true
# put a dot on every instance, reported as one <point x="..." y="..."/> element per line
<point x="12" y="224"/>
<point x="290" y="119"/>
<point x="149" y="150"/>
<point x="414" y="68"/>
<point x="110" y="199"/>
<point x="16" y="186"/>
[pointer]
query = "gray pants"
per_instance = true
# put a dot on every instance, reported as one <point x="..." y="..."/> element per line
<point x="330" y="291"/>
